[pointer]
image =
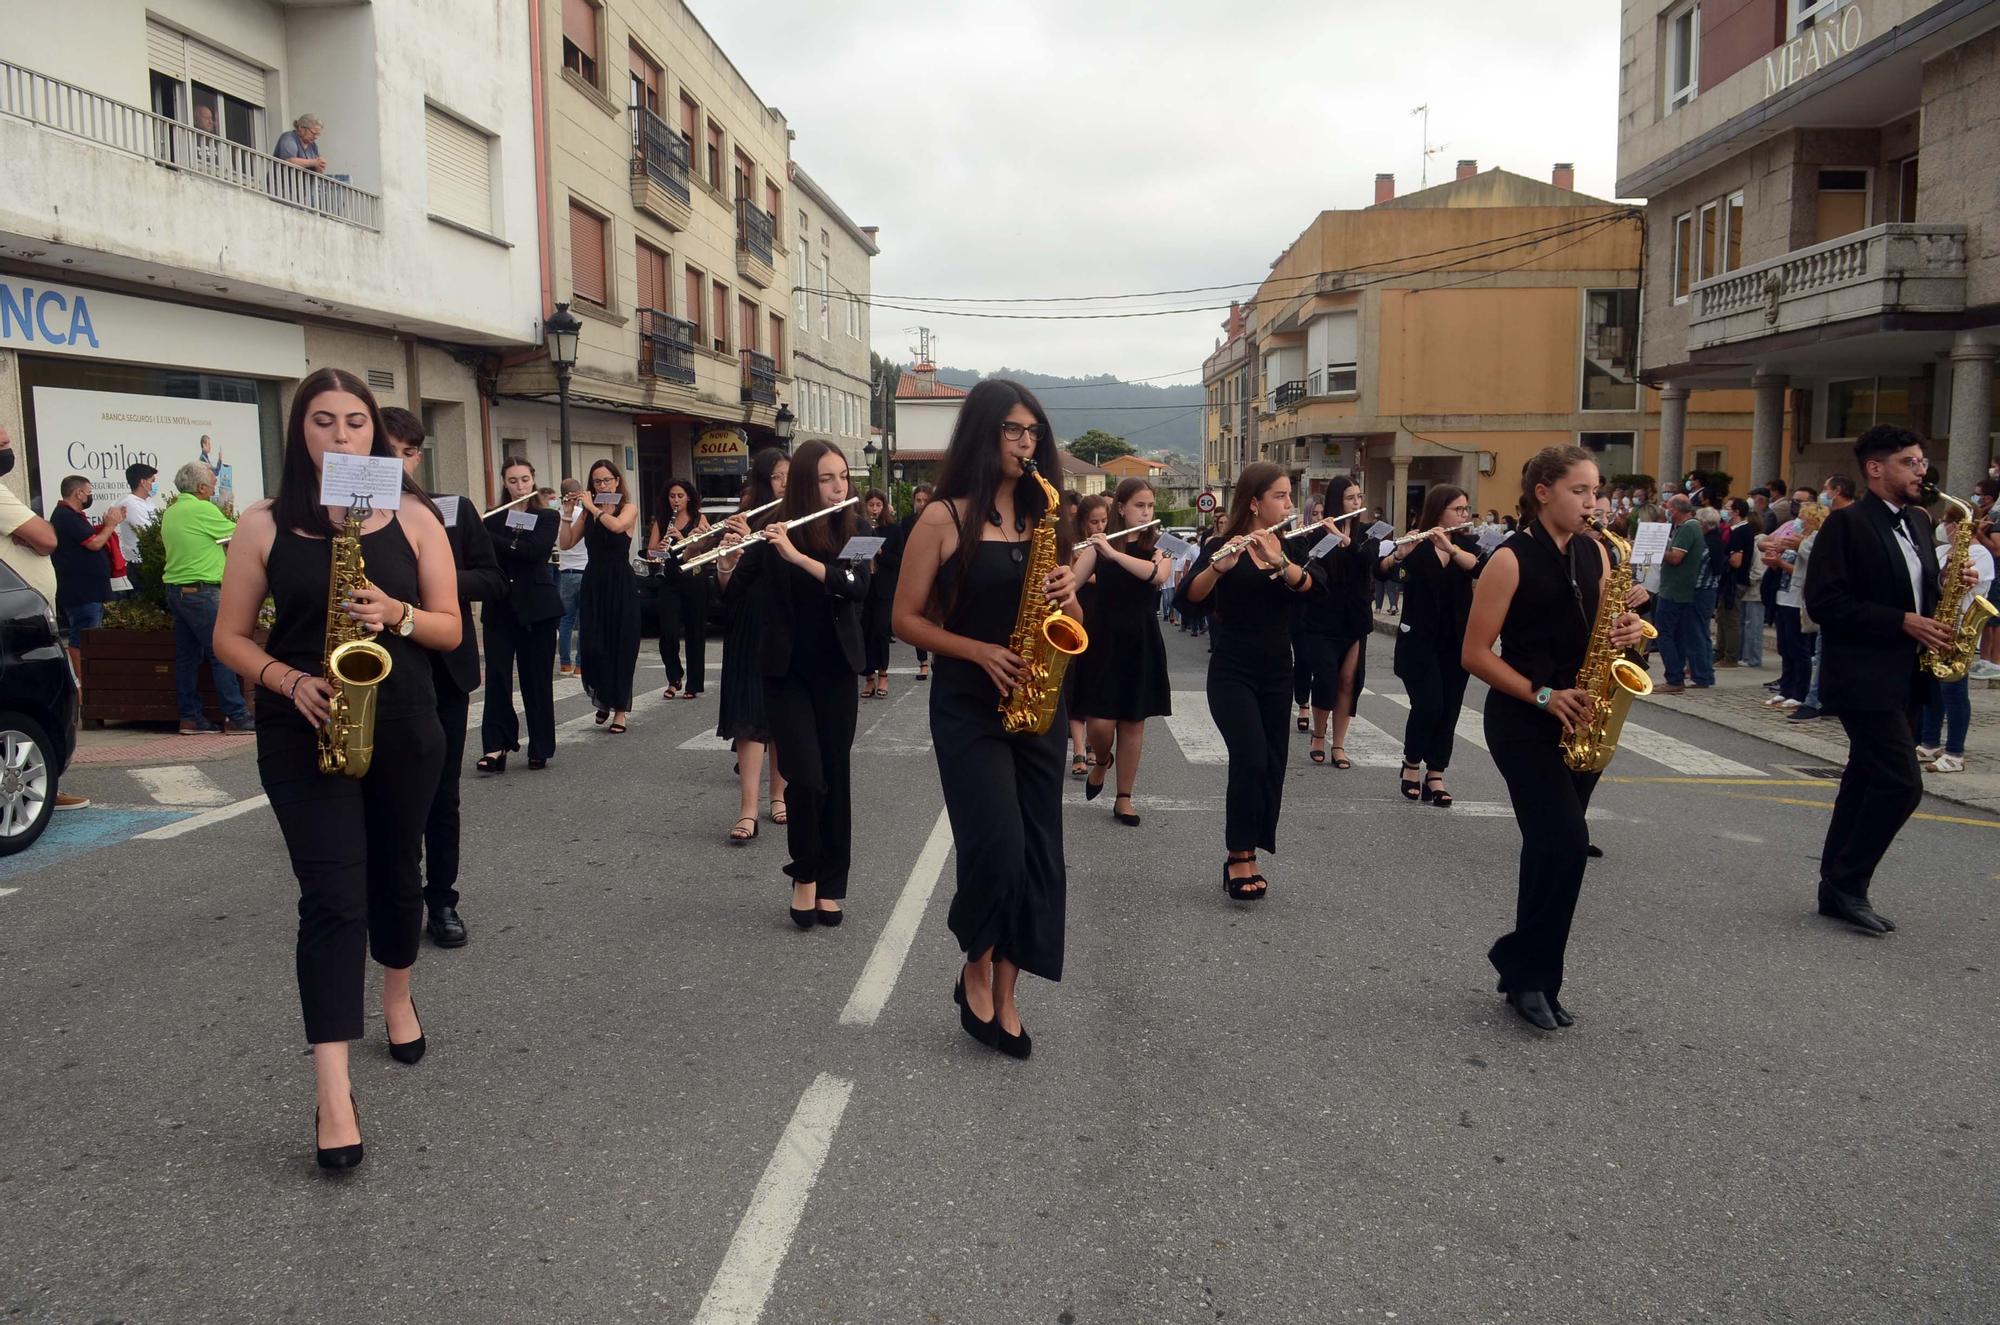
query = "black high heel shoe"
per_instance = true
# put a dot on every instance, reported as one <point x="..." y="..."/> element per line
<point x="491" y="763"/>
<point x="805" y="917"/>
<point x="337" y="1157"/>
<point x="1091" y="790"/>
<point x="1437" y="795"/>
<point x="1014" y="1046"/>
<point x="986" y="1032"/>
<point x="831" y="919"/>
<point x="1412" y="787"/>
<point x="413" y="1051"/>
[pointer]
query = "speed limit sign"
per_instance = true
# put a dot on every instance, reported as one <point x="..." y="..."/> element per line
<point x="1205" y="503"/>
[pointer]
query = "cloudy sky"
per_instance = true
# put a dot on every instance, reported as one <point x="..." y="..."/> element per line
<point x="1014" y="148"/>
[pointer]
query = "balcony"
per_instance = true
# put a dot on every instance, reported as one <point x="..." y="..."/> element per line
<point x="754" y="228"/>
<point x="666" y="347"/>
<point x="760" y="379"/>
<point x="660" y="171"/>
<point x="66" y="109"/>
<point x="1896" y="268"/>
<point x="1290" y="394"/>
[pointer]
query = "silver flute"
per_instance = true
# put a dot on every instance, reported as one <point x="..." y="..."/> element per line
<point x="763" y="535"/>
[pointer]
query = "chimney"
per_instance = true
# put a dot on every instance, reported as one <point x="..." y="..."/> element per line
<point x="1385" y="188"/>
<point x="1564" y="176"/>
<point x="1467" y="168"/>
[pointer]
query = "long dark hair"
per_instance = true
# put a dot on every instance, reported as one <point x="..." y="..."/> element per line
<point x="1436" y="502"/>
<point x="667" y="504"/>
<point x="297" y="505"/>
<point x="757" y="489"/>
<point x="534" y="503"/>
<point x="1084" y="506"/>
<point x="1336" y="496"/>
<point x="1255" y="480"/>
<point x="823" y="537"/>
<point x="1140" y="545"/>
<point x="1546" y="468"/>
<point x="888" y="508"/>
<point x="611" y="466"/>
<point x="971" y="472"/>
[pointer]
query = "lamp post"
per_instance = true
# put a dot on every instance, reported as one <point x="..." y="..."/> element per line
<point x="559" y="332"/>
<point x="871" y="451"/>
<point x="784" y="426"/>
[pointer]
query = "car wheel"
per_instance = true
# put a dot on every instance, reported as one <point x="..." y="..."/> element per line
<point x="27" y="782"/>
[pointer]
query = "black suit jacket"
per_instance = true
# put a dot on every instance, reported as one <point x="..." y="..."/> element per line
<point x="479" y="580"/>
<point x="763" y="581"/>
<point x="1857" y="590"/>
<point x="531" y="595"/>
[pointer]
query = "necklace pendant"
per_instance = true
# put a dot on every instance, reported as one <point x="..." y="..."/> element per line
<point x="1018" y="556"/>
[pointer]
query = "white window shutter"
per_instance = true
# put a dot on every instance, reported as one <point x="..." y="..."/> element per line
<point x="225" y="73"/>
<point x="461" y="171"/>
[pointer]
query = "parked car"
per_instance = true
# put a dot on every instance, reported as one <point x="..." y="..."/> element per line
<point x="37" y="713"/>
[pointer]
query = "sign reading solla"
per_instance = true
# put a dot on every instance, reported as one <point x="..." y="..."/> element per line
<point x="721" y="451"/>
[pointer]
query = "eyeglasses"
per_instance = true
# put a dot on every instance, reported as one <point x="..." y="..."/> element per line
<point x="1013" y="431"/>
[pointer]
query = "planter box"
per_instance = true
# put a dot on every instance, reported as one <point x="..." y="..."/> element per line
<point x="128" y="676"/>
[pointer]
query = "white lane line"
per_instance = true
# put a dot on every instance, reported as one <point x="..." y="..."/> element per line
<point x="1368" y="746"/>
<point x="1217" y="804"/>
<point x="8" y="892"/>
<point x="749" y="1270"/>
<point x="1470" y="727"/>
<point x="892" y="949"/>
<point x="1194" y="731"/>
<point x="180" y="784"/>
<point x="705" y="741"/>
<point x="905" y="729"/>
<point x="203" y="820"/>
<point x="584" y="725"/>
<point x="1681" y="756"/>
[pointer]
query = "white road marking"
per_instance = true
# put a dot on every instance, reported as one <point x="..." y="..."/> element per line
<point x="1681" y="756"/>
<point x="1194" y="731"/>
<point x="706" y="740"/>
<point x="8" y="892"/>
<point x="584" y="725"/>
<point x="180" y="784"/>
<point x="749" y="1270"/>
<point x="1368" y="746"/>
<point x="892" y="949"/>
<point x="203" y="820"/>
<point x="1216" y="804"/>
<point x="1471" y="727"/>
<point x="904" y="729"/>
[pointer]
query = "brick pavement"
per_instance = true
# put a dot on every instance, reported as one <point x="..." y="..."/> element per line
<point x="134" y="743"/>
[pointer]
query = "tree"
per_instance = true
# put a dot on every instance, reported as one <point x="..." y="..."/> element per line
<point x="882" y="378"/>
<point x="1098" y="446"/>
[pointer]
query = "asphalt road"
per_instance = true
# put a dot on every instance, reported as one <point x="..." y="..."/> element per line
<point x="647" y="1097"/>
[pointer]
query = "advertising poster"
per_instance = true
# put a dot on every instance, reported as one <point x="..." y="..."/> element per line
<point x="98" y="433"/>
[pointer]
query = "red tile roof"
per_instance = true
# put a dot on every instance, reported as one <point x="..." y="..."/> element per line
<point x="924" y="386"/>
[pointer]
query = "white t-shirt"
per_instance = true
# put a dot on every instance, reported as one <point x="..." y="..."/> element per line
<point x="574" y="558"/>
<point x="139" y="512"/>
<point x="32" y="566"/>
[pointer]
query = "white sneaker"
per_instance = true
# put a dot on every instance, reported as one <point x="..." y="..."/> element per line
<point x="1789" y="703"/>
<point x="1984" y="671"/>
<point x="1948" y="764"/>
<point x="1776" y="701"/>
<point x="1927" y="753"/>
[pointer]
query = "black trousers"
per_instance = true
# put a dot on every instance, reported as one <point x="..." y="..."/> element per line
<point x="1254" y="715"/>
<point x="683" y="605"/>
<point x="1880" y="790"/>
<point x="441" y="827"/>
<point x="875" y="613"/>
<point x="354" y="845"/>
<point x="1549" y="803"/>
<point x="533" y="649"/>
<point x="1436" y="688"/>
<point x="812" y="720"/>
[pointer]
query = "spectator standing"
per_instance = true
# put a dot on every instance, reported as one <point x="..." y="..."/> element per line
<point x="83" y="569"/>
<point x="570" y="564"/>
<point x="28" y="548"/>
<point x="191" y="530"/>
<point x="1795" y="648"/>
<point x="1838" y="494"/>
<point x="1709" y="584"/>
<point x="1683" y="640"/>
<point x="1738" y="547"/>
<point x="140" y="510"/>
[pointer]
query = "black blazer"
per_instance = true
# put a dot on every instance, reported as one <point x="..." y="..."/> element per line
<point x="1857" y="589"/>
<point x="479" y="580"/>
<point x="763" y="580"/>
<point x="531" y="595"/>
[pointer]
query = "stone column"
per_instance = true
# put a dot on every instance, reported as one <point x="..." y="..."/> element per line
<point x="1971" y="414"/>
<point x="1767" y="430"/>
<point x="1399" y="484"/>
<point x="1673" y="434"/>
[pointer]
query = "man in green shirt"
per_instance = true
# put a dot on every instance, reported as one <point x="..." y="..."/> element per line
<point x="192" y="528"/>
<point x="1681" y="647"/>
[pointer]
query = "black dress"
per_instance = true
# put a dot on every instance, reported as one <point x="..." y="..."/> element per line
<point x="880" y="605"/>
<point x="1330" y="623"/>
<point x="740" y="712"/>
<point x="1430" y="639"/>
<point x="1002" y="791"/>
<point x="1123" y="675"/>
<point x="607" y="612"/>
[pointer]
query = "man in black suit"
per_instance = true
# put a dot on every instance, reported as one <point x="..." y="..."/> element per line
<point x="456" y="676"/>
<point x="1872" y="587"/>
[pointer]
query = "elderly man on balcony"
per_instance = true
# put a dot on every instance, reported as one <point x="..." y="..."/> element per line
<point x="296" y="144"/>
<point x="191" y="528"/>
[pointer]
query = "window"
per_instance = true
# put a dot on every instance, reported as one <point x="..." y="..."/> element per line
<point x="1841" y="206"/>
<point x="774" y="203"/>
<point x="1610" y="342"/>
<point x="801" y="260"/>
<point x="645" y="82"/>
<point x="1330" y="353"/>
<point x="1809" y="13"/>
<point x="689" y="113"/>
<point x="746" y="323"/>
<point x="1615" y="451"/>
<point x="853" y="314"/>
<point x="694" y="305"/>
<point x="744" y="171"/>
<point x="1683" y="256"/>
<point x="1708" y="239"/>
<point x="1707" y="462"/>
<point x="1906" y="189"/>
<point x="586" y="256"/>
<point x="1683" y="62"/>
<point x="652" y="267"/>
<point x="206" y="88"/>
<point x="1856" y="405"/>
<point x="778" y="341"/>
<point x="579" y="23"/>
<point x="459" y="161"/>
<point x="715" y="156"/>
<point x="1732" y="232"/>
<point x="719" y="297"/>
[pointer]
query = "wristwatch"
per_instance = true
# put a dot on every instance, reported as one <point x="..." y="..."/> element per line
<point x="1543" y="696"/>
<point x="409" y="621"/>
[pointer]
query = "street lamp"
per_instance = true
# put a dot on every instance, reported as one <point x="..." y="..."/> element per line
<point x="559" y="332"/>
<point x="898" y="471"/>
<point x="871" y="451"/>
<point x="785" y="424"/>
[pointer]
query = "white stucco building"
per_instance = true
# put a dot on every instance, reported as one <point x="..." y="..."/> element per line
<point x="830" y="280"/>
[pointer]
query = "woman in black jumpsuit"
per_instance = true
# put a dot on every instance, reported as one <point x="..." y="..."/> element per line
<point x="877" y="521"/>
<point x="1251" y="594"/>
<point x="958" y="596"/>
<point x="1437" y="598"/>
<point x="1330" y="632"/>
<point x="740" y="717"/>
<point x="1538" y="596"/>
<point x="683" y="594"/>
<point x="521" y="626"/>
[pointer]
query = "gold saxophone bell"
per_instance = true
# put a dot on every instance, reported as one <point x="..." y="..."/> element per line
<point x="355" y="664"/>
<point x="1044" y="637"/>
<point x="1065" y="634"/>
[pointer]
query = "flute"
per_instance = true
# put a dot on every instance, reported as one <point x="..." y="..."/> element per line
<point x="1421" y="535"/>
<point x="762" y="535"/>
<point x="681" y="545"/>
<point x="509" y="506"/>
<point x="1241" y="541"/>
<point x="1137" y="528"/>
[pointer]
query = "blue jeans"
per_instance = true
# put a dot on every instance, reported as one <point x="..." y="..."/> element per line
<point x="1752" y="654"/>
<point x="79" y="618"/>
<point x="192" y="607"/>
<point x="1683" y="647"/>
<point x="1701" y="651"/>
<point x="1950" y="714"/>
<point x="569" y="583"/>
<point x="1812" y="688"/>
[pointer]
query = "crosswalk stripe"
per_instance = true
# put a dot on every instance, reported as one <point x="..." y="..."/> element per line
<point x="905" y="729"/>
<point x="1368" y="746"/>
<point x="180" y="784"/>
<point x="1471" y="727"/>
<point x="1145" y="804"/>
<point x="1679" y="755"/>
<point x="1194" y="731"/>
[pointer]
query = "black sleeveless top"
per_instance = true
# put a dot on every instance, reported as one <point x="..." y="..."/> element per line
<point x="296" y="572"/>
<point x="1547" y="630"/>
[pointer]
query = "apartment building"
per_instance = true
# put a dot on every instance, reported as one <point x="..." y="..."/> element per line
<point x="1229" y="376"/>
<point x="165" y="280"/>
<point x="830" y="285"/>
<point x="669" y="215"/>
<point x="1447" y="335"/>
<point x="1822" y="226"/>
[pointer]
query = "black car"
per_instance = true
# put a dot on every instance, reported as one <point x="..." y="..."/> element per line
<point x="37" y="712"/>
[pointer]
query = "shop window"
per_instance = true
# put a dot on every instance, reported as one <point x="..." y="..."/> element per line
<point x="1858" y="404"/>
<point x="1610" y="344"/>
<point x="1683" y="51"/>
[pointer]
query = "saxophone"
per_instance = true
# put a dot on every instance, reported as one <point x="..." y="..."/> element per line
<point x="1044" y="638"/>
<point x="355" y="663"/>
<point x="1965" y="620"/>
<point x="1612" y="680"/>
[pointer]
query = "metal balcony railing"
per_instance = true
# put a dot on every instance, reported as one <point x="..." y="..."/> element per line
<point x="754" y="227"/>
<point x="65" y="108"/>
<point x="666" y="347"/>
<point x="760" y="378"/>
<point x="659" y="153"/>
<point x="1289" y="395"/>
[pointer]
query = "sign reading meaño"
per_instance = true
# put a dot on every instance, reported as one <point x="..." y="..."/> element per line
<point x="1813" y="50"/>
<point x="37" y="317"/>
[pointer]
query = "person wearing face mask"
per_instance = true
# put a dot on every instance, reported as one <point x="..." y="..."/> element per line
<point x="83" y="570"/>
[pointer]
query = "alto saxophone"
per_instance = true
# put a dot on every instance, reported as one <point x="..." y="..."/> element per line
<point x="1044" y="638"/>
<point x="1963" y="619"/>
<point x="355" y="664"/>
<point x="1611" y="680"/>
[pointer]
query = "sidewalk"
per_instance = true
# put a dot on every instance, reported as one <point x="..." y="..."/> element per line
<point x="143" y="743"/>
<point x="1737" y="702"/>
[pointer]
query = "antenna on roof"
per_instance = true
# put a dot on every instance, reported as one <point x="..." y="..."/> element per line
<point x="926" y="344"/>
<point x="1430" y="150"/>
